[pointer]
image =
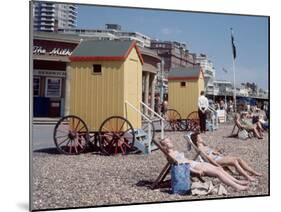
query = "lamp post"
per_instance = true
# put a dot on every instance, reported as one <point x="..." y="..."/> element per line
<point x="162" y="80"/>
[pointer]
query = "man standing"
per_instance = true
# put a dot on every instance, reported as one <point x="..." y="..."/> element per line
<point x="203" y="105"/>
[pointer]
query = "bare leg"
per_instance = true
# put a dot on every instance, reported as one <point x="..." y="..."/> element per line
<point x="260" y="126"/>
<point x="233" y="161"/>
<point x="245" y="166"/>
<point x="242" y="171"/>
<point x="256" y="133"/>
<point x="241" y="182"/>
<point x="213" y="171"/>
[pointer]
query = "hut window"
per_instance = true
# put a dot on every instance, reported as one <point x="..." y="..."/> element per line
<point x="183" y="84"/>
<point x="96" y="69"/>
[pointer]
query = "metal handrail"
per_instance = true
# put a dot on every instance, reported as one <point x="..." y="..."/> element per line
<point x="143" y="115"/>
<point x="213" y="110"/>
<point x="147" y="107"/>
<point x="162" y="120"/>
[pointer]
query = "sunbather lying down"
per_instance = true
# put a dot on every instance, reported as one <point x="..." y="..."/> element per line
<point x="204" y="169"/>
<point x="217" y="158"/>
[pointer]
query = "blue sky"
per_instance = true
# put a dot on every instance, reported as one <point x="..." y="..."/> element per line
<point x="203" y="33"/>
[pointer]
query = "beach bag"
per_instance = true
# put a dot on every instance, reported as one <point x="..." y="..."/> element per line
<point x="243" y="134"/>
<point x="180" y="182"/>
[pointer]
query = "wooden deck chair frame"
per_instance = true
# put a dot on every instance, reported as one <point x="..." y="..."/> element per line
<point x="201" y="156"/>
<point x="170" y="161"/>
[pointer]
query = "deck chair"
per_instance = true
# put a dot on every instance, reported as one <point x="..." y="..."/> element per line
<point x="201" y="156"/>
<point x="239" y="127"/>
<point x="170" y="161"/>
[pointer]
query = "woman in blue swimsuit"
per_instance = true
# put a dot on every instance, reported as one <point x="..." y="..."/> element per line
<point x="218" y="159"/>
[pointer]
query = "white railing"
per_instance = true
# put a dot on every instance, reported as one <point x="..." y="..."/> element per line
<point x="143" y="115"/>
<point x="162" y="120"/>
<point x="214" y="117"/>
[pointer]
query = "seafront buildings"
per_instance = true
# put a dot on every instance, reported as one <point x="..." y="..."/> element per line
<point x="56" y="36"/>
<point x="49" y="17"/>
<point x="209" y="72"/>
<point x="111" y="32"/>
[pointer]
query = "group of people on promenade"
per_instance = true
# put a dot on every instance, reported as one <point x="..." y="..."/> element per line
<point x="253" y="118"/>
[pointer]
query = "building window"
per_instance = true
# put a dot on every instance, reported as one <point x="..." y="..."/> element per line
<point x="36" y="86"/>
<point x="183" y="84"/>
<point x="53" y="87"/>
<point x="96" y="69"/>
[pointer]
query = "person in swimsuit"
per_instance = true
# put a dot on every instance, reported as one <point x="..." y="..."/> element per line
<point x="218" y="159"/>
<point x="204" y="169"/>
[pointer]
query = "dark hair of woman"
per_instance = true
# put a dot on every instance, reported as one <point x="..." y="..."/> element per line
<point x="193" y="137"/>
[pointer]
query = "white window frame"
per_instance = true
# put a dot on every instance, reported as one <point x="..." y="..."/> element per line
<point x="46" y="86"/>
<point x="38" y="87"/>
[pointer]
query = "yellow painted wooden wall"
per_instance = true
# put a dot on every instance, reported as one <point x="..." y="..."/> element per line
<point x="95" y="97"/>
<point x="133" y="87"/>
<point x="185" y="99"/>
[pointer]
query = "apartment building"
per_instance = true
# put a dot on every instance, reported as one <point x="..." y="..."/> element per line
<point x="49" y="17"/>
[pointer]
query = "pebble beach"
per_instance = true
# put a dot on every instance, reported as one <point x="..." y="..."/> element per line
<point x="92" y="179"/>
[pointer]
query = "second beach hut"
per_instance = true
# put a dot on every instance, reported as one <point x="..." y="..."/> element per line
<point x="184" y="87"/>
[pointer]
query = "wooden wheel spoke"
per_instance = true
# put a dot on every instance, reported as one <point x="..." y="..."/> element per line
<point x="79" y="144"/>
<point x="122" y="150"/>
<point x="77" y="125"/>
<point x="62" y="136"/>
<point x="110" y="147"/>
<point x="122" y="126"/>
<point x="72" y="123"/>
<point x="75" y="145"/>
<point x="65" y="125"/>
<point x="111" y="126"/>
<point x="112" y="134"/>
<point x="107" y="130"/>
<point x="71" y="135"/>
<point x="64" y="141"/>
<point x="83" y="127"/>
<point x="70" y="147"/>
<point x="107" y="134"/>
<point x="128" y="137"/>
<point x="126" y="144"/>
<point x="65" y="131"/>
<point x="122" y="133"/>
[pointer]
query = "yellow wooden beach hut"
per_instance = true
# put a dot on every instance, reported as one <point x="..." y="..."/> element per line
<point x="103" y="75"/>
<point x="184" y="87"/>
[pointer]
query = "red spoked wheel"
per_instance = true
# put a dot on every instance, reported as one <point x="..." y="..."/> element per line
<point x="71" y="135"/>
<point x="116" y="135"/>
<point x="173" y="119"/>
<point x="192" y="121"/>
